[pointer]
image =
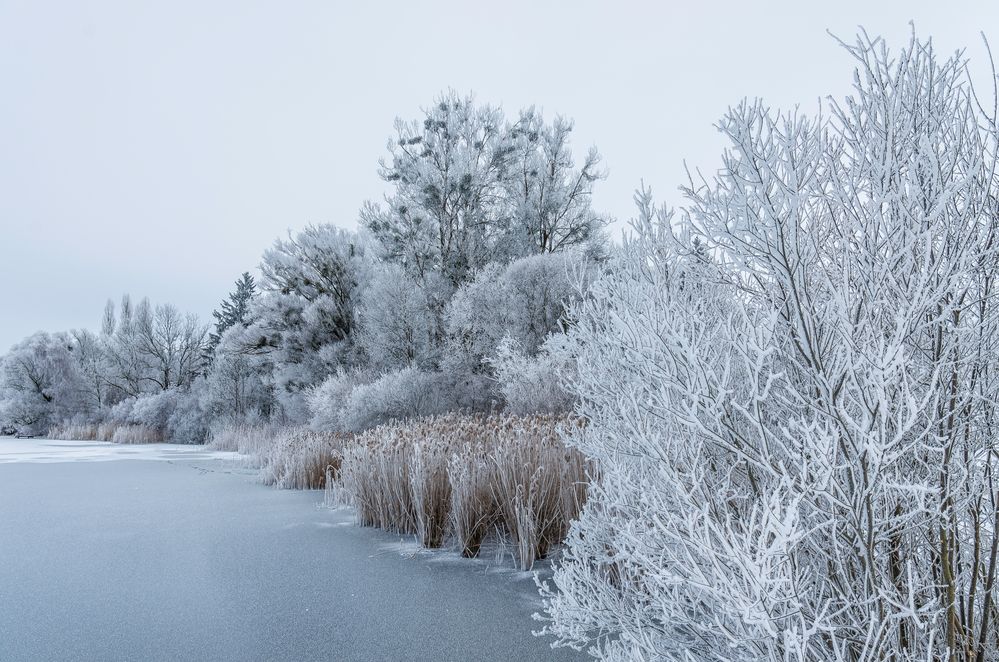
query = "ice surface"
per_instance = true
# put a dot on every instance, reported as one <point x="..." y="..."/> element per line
<point x="49" y="450"/>
<point x="194" y="559"/>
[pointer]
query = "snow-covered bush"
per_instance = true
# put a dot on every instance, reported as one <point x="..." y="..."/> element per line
<point x="525" y="301"/>
<point x="792" y="396"/>
<point x="533" y="385"/>
<point x="189" y="421"/>
<point x="329" y="402"/>
<point x="153" y="410"/>
<point x="404" y="394"/>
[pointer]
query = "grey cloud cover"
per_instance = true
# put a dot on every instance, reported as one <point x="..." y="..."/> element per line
<point x="158" y="148"/>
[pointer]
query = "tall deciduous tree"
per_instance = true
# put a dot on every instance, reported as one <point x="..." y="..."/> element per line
<point x="548" y="198"/>
<point x="445" y="211"/>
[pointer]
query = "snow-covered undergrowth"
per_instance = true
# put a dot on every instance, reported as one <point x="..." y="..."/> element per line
<point x="459" y="478"/>
<point x="119" y="433"/>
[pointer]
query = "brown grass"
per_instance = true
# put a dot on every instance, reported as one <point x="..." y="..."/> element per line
<point x="243" y="438"/>
<point x="119" y="433"/>
<point x="451" y="479"/>
<point x="301" y="459"/>
<point x="461" y="477"/>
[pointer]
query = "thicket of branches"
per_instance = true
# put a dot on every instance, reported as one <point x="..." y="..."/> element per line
<point x="792" y="392"/>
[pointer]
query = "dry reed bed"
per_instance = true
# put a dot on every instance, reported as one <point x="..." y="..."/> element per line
<point x="460" y="477"/>
<point x="118" y="433"/>
<point x="302" y="459"/>
<point x="247" y="439"/>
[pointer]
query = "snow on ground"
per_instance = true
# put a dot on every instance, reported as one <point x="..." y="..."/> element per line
<point x="50" y="450"/>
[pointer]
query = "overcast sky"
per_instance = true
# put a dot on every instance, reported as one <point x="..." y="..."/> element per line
<point x="158" y="148"/>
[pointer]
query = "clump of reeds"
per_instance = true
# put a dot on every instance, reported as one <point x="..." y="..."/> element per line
<point x="136" y="434"/>
<point x="300" y="458"/>
<point x="461" y="477"/>
<point x="253" y="441"/>
<point x="111" y="431"/>
<point x="74" y="432"/>
<point x="375" y="474"/>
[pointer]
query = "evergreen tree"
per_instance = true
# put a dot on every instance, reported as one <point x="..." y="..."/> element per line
<point x="231" y="311"/>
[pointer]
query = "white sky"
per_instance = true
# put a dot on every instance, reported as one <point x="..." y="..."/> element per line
<point x="158" y="148"/>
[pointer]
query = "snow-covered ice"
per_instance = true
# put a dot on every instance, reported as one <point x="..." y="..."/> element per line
<point x="49" y="450"/>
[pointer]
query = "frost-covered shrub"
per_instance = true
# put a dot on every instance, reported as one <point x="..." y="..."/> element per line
<point x="329" y="402"/>
<point x="533" y="385"/>
<point x="189" y="421"/>
<point x="407" y="393"/>
<point x="176" y="415"/>
<point x="792" y="393"/>
<point x="525" y="300"/>
<point x="153" y="410"/>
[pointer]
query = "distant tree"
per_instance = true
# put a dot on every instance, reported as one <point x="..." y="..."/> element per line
<point x="171" y="345"/>
<point x="108" y="320"/>
<point x="40" y="383"/>
<point x="94" y="368"/>
<point x="233" y="310"/>
<point x="127" y="370"/>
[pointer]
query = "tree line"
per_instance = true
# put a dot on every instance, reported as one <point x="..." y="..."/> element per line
<point x="488" y="233"/>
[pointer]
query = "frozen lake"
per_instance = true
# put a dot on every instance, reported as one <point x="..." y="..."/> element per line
<point x="174" y="553"/>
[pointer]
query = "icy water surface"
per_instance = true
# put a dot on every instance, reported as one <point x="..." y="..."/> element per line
<point x="174" y="553"/>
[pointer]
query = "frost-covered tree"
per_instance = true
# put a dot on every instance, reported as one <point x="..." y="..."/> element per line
<point x="795" y="436"/>
<point x="548" y="197"/>
<point x="128" y="369"/>
<point x="233" y="310"/>
<point x="170" y="344"/>
<point x="40" y="383"/>
<point x="445" y="212"/>
<point x="239" y="384"/>
<point x="397" y="326"/>
<point x="306" y="316"/>
<point x="94" y="369"/>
